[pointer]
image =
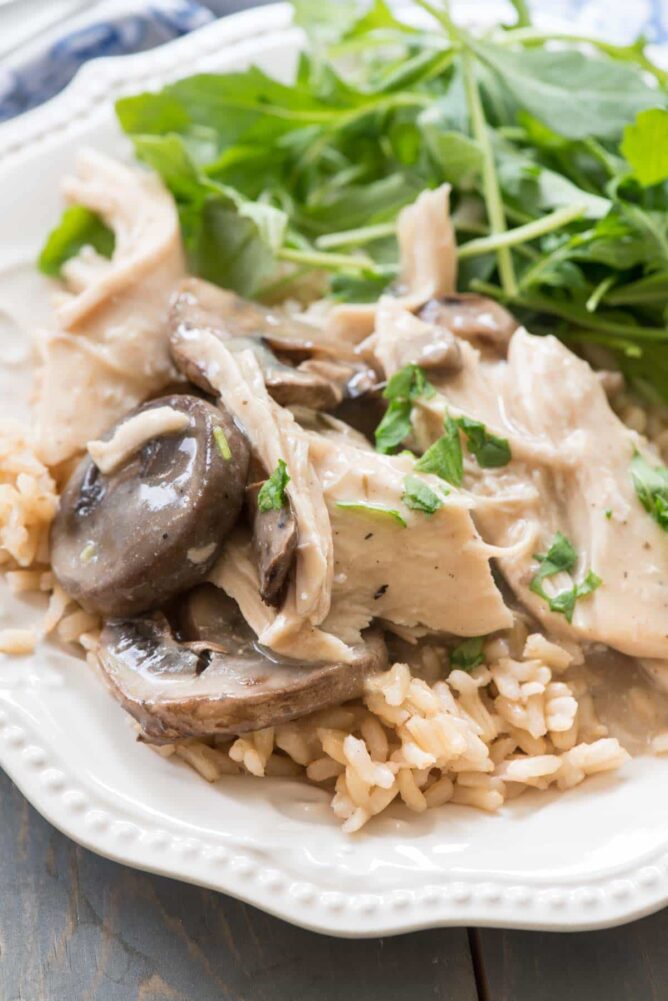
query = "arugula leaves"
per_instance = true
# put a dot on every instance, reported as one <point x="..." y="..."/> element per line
<point x="78" y="228"/>
<point x="562" y="557"/>
<point x="645" y="146"/>
<point x="374" y="510"/>
<point x="272" y="492"/>
<point x="445" y="458"/>
<point x="468" y="654"/>
<point x="490" y="451"/>
<point x="651" y="486"/>
<point x="419" y="496"/>
<point x="268" y="174"/>
<point x="403" y="389"/>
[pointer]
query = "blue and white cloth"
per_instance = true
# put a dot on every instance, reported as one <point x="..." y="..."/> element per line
<point x="118" y="27"/>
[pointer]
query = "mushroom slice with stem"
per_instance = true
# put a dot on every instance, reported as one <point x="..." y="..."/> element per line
<point x="244" y="325"/>
<point x="224" y="684"/>
<point x="128" y="540"/>
<point x="275" y="538"/>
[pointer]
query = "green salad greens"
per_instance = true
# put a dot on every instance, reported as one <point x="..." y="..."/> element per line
<point x="556" y="147"/>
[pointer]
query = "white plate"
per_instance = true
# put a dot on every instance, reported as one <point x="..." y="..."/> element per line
<point x="595" y="856"/>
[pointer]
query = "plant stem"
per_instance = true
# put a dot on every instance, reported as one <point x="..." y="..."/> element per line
<point x="328" y="262"/>
<point x="523" y="14"/>
<point x="356" y="237"/>
<point x="594" y="300"/>
<point x="522" y="234"/>
<point x="493" y="202"/>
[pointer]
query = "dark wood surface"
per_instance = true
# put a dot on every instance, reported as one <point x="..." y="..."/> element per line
<point x="76" y="927"/>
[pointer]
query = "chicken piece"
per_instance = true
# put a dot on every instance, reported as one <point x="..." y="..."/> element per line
<point x="273" y="434"/>
<point x="569" y="472"/>
<point x="433" y="571"/>
<point x="111" y="350"/>
<point x="427" y="247"/>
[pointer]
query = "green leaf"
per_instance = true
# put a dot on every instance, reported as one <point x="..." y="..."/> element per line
<point x="394" y="426"/>
<point x="228" y="249"/>
<point x="272" y="492"/>
<point x="444" y="458"/>
<point x="574" y="94"/>
<point x="645" y="146"/>
<point x="564" y="602"/>
<point x="468" y="654"/>
<point x="403" y="389"/>
<point x="373" y="509"/>
<point x="490" y="452"/>
<point x="408" y="383"/>
<point x="78" y="228"/>
<point x="561" y="557"/>
<point x="458" y="158"/>
<point x="651" y="486"/>
<point x="419" y="496"/>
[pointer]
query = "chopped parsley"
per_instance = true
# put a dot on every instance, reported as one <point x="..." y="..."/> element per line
<point x="373" y="509"/>
<point x="562" y="557"/>
<point x="468" y="654"/>
<point x="489" y="451"/>
<point x="651" y="486"/>
<point x="403" y="389"/>
<point x="419" y="496"/>
<point x="272" y="492"/>
<point x="222" y="444"/>
<point x="608" y="513"/>
<point x="445" y="457"/>
<point x="564" y="602"/>
<point x="88" y="552"/>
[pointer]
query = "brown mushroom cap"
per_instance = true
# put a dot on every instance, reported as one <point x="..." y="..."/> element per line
<point x="275" y="538"/>
<point x="223" y="686"/>
<point x="324" y="371"/>
<point x="126" y="542"/>
<point x="472" y="317"/>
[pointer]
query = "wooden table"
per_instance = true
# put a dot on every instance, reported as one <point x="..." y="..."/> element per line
<point x="75" y="927"/>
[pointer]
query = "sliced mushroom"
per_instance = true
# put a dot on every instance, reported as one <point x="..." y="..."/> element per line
<point x="472" y="317"/>
<point x="274" y="540"/>
<point x="193" y="689"/>
<point x="244" y="326"/>
<point x="128" y="541"/>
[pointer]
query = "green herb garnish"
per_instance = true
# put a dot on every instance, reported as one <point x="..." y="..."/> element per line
<point x="490" y="452"/>
<point x="562" y="557"/>
<point x="78" y="228"/>
<point x="271" y="496"/>
<point x="373" y="509"/>
<point x="403" y="389"/>
<point x="88" y="552"/>
<point x="468" y="654"/>
<point x="222" y="444"/>
<point x="651" y="486"/>
<point x="445" y="458"/>
<point x="419" y="496"/>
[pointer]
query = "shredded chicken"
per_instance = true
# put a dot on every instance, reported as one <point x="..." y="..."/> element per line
<point x="274" y="434"/>
<point x="110" y="350"/>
